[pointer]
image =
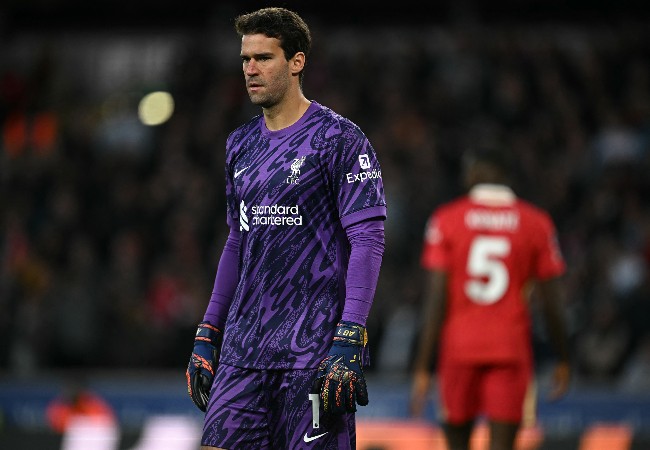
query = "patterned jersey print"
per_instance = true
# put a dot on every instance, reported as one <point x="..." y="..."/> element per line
<point x="291" y="193"/>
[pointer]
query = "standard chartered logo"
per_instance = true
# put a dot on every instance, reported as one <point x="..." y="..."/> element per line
<point x="277" y="215"/>
<point x="243" y="218"/>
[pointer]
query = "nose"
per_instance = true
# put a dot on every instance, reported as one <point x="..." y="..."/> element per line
<point x="250" y="67"/>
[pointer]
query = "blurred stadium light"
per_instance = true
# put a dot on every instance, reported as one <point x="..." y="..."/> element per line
<point x="156" y="108"/>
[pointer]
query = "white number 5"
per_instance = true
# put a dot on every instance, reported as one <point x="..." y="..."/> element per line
<point x="489" y="275"/>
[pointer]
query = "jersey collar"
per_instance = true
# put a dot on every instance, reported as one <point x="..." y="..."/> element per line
<point x="492" y="194"/>
<point x="284" y="132"/>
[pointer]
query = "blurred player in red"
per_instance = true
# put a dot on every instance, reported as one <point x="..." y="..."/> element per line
<point x="483" y="252"/>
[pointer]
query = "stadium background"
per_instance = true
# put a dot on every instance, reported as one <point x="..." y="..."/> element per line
<point x="111" y="229"/>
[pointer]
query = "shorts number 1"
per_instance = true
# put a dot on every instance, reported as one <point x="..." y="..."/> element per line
<point x="315" y="413"/>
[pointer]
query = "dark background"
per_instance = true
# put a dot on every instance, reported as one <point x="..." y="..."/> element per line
<point x="62" y="15"/>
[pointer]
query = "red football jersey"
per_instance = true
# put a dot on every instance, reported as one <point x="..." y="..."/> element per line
<point x="491" y="245"/>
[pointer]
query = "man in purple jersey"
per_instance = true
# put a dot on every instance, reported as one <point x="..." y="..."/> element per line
<point x="278" y="357"/>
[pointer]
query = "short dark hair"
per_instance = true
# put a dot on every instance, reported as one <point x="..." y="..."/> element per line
<point x="494" y="155"/>
<point x="280" y="23"/>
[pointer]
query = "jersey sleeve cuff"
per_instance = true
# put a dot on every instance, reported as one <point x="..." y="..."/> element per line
<point x="378" y="212"/>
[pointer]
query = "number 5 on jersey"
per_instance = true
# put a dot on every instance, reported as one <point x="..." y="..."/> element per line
<point x="489" y="277"/>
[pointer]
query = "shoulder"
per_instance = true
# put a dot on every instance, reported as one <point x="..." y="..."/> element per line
<point x="442" y="224"/>
<point x="535" y="219"/>
<point x="338" y="125"/>
<point x="242" y="131"/>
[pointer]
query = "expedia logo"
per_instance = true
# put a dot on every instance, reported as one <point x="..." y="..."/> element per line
<point x="364" y="164"/>
<point x="277" y="215"/>
<point x="363" y="176"/>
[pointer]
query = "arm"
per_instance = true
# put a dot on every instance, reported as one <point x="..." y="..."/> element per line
<point x="367" y="249"/>
<point x="551" y="294"/>
<point x="434" y="314"/>
<point x="207" y="341"/>
<point x="225" y="282"/>
<point x="340" y="380"/>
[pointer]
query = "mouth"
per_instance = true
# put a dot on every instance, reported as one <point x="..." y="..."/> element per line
<point x="252" y="86"/>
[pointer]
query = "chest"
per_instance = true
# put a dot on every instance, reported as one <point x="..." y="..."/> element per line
<point x="278" y="173"/>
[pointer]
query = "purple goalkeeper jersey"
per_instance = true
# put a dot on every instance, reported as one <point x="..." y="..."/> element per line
<point x="292" y="192"/>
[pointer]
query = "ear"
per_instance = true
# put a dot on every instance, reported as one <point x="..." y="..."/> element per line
<point x="297" y="63"/>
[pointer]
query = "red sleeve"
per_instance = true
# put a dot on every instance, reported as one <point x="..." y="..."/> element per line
<point x="435" y="254"/>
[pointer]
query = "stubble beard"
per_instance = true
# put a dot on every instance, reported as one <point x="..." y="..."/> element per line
<point x="263" y="101"/>
<point x="275" y="92"/>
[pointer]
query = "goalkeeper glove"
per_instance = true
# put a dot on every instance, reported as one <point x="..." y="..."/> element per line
<point x="340" y="381"/>
<point x="203" y="363"/>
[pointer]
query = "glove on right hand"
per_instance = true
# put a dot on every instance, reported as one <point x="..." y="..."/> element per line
<point x="203" y="364"/>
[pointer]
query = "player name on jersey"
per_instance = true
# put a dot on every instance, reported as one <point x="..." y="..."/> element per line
<point x="482" y="219"/>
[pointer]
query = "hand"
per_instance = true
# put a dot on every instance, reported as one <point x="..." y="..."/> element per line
<point x="340" y="381"/>
<point x="419" y="392"/>
<point x="203" y="363"/>
<point x="561" y="380"/>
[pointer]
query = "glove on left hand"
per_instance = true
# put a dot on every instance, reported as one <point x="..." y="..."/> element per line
<point x="340" y="381"/>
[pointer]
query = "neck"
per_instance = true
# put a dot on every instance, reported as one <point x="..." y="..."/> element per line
<point x="286" y="113"/>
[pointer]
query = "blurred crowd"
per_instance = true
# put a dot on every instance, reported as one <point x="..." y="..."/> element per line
<point x="111" y="230"/>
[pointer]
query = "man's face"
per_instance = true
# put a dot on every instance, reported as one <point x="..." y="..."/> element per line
<point x="266" y="71"/>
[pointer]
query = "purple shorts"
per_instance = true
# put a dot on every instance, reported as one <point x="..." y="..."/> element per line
<point x="272" y="409"/>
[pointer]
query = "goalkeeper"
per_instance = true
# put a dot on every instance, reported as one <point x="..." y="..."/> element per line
<point x="278" y="358"/>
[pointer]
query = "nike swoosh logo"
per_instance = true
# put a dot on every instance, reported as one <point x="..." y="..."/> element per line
<point x="239" y="172"/>
<point x="313" y="438"/>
